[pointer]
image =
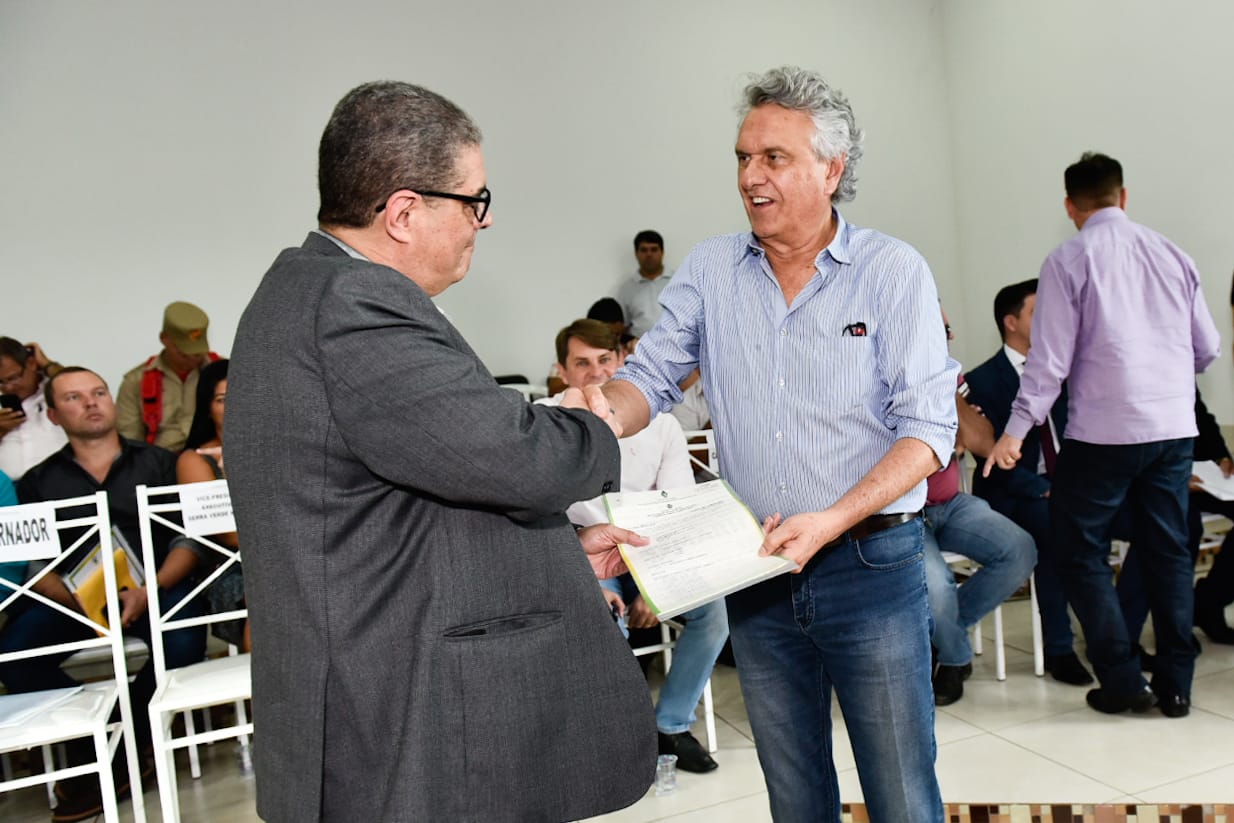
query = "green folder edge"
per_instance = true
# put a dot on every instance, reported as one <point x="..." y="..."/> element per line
<point x="622" y="547"/>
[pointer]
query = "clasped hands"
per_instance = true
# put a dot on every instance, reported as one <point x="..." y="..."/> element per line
<point x="593" y="399"/>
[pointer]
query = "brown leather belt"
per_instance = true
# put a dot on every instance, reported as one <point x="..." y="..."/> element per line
<point x="873" y="524"/>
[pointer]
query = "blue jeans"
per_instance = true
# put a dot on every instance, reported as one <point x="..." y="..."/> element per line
<point x="856" y="620"/>
<point x="1091" y="483"/>
<point x="693" y="658"/>
<point x="967" y="525"/>
<point x="40" y="625"/>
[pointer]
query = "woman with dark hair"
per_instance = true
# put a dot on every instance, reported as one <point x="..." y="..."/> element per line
<point x="200" y="462"/>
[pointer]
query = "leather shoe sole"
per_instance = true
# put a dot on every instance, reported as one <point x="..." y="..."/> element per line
<point x="1067" y="668"/>
<point x="1108" y="702"/>
<point x="1174" y="705"/>
<point x="691" y="756"/>
<point x="949" y="683"/>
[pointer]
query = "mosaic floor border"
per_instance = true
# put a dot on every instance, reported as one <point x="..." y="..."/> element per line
<point x="1073" y="813"/>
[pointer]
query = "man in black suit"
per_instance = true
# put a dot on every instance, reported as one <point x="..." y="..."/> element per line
<point x="1022" y="492"/>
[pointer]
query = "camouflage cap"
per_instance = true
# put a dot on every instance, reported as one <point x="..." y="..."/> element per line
<point x="186" y="325"/>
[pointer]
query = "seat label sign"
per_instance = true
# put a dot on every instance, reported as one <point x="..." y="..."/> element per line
<point x="28" y="532"/>
<point x="207" y="508"/>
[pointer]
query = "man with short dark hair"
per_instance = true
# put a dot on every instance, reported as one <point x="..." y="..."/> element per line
<point x="656" y="458"/>
<point x="1122" y="319"/>
<point x="97" y="458"/>
<point x="430" y="640"/>
<point x="640" y="295"/>
<point x="156" y="399"/>
<point x="1023" y="491"/>
<point x="27" y="434"/>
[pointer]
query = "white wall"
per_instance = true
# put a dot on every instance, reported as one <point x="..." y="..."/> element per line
<point x="157" y="151"/>
<point x="1033" y="85"/>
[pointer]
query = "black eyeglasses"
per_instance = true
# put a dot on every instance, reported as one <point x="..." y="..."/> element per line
<point x="479" y="202"/>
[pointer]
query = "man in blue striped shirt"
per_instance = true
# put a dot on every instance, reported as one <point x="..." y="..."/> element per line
<point x="832" y="397"/>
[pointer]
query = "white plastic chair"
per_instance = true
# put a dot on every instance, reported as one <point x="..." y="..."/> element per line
<point x="201" y="685"/>
<point x="86" y="713"/>
<point x="529" y="391"/>
<point x="703" y="441"/>
<point x="669" y="629"/>
<point x="967" y="466"/>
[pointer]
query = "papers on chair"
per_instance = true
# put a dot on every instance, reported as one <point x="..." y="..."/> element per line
<point x="1213" y="481"/>
<point x="704" y="545"/>
<point x="16" y="709"/>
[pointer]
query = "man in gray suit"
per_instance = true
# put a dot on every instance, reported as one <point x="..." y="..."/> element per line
<point x="429" y="640"/>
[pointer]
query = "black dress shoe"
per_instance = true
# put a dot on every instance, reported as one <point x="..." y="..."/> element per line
<point x="1108" y="702"/>
<point x="1212" y="623"/>
<point x="949" y="683"/>
<point x="691" y="756"/>
<point x="80" y="806"/>
<point x="1067" y="668"/>
<point x="1174" y="705"/>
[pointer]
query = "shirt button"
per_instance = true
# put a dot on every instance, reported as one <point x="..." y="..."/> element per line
<point x="784" y="332"/>
<point x="781" y="382"/>
<point x="783" y="487"/>
<point x="779" y="435"/>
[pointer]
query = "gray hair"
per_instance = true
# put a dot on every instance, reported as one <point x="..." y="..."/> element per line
<point x="835" y="131"/>
<point x="383" y="137"/>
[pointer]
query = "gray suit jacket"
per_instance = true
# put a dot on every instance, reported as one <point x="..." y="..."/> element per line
<point x="429" y="640"/>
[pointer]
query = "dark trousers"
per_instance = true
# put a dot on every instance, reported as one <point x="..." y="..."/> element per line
<point x="1214" y="591"/>
<point x="1033" y="515"/>
<point x="1091" y="483"/>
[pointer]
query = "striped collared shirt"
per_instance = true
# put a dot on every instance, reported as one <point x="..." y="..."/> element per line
<point x="806" y="399"/>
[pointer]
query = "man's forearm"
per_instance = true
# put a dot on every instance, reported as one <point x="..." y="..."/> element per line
<point x="906" y="463"/>
<point x="629" y="404"/>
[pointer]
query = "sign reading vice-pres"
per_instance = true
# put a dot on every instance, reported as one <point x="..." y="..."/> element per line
<point x="28" y="532"/>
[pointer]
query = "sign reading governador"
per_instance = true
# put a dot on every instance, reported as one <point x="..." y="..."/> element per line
<point x="28" y="532"/>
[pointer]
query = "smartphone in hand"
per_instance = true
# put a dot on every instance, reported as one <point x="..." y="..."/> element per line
<point x="13" y="403"/>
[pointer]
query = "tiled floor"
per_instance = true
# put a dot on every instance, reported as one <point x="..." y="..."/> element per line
<point x="1024" y="740"/>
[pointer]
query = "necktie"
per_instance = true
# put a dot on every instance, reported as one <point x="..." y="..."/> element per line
<point x="1047" y="448"/>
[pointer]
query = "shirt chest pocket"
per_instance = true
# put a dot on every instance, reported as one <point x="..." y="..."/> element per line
<point x="844" y="373"/>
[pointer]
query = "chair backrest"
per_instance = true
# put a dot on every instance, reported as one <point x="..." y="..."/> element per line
<point x="193" y="510"/>
<point x="530" y="391"/>
<point x="67" y="534"/>
<point x="702" y="446"/>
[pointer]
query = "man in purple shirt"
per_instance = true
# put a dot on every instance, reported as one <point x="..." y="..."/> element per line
<point x="1121" y="317"/>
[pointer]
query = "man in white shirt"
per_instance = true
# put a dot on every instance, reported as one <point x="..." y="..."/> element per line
<point x="656" y="458"/>
<point x="640" y="295"/>
<point x="27" y="436"/>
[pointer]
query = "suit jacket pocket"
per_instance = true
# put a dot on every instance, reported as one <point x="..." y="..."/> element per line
<point x="514" y="730"/>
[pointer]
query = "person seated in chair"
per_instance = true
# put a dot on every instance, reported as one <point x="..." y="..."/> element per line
<point x="1023" y="491"/>
<point x="200" y="462"/>
<point x="588" y="353"/>
<point x="961" y="523"/>
<point x="97" y="458"/>
<point x="1213" y="592"/>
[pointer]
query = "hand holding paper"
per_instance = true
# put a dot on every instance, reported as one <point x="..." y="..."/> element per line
<point x="704" y="544"/>
<point x="800" y="537"/>
<point x="601" y="543"/>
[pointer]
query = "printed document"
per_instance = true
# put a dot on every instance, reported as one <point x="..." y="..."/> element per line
<point x="1213" y="481"/>
<point x="704" y="545"/>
